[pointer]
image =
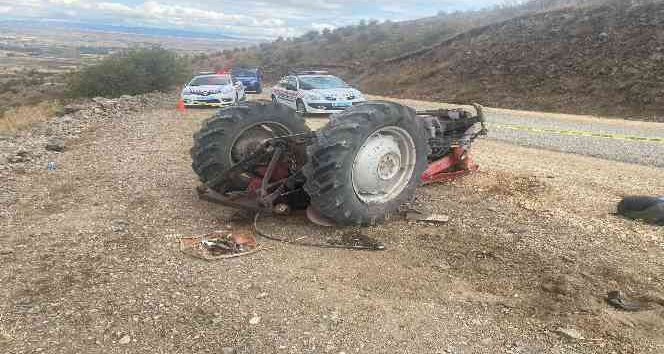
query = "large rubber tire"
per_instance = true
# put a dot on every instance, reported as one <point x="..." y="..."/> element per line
<point x="329" y="170"/>
<point x="649" y="209"/>
<point x="213" y="143"/>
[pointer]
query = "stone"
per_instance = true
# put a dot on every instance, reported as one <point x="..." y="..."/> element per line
<point x="56" y="144"/>
<point x="228" y="350"/>
<point x="262" y="295"/>
<point x="71" y="108"/>
<point x="120" y="225"/>
<point x="126" y="339"/>
<point x="19" y="156"/>
<point x="255" y="320"/>
<point x="569" y="333"/>
<point x="426" y="217"/>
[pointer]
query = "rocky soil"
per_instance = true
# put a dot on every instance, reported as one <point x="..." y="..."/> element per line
<point x="91" y="261"/>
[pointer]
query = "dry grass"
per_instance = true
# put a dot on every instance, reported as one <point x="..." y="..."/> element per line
<point x="23" y="116"/>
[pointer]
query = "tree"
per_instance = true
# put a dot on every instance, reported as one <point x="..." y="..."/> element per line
<point x="311" y="35"/>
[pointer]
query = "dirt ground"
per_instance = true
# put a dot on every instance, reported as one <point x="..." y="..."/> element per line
<point x="531" y="249"/>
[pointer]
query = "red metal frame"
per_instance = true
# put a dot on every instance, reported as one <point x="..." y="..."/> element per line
<point x="456" y="164"/>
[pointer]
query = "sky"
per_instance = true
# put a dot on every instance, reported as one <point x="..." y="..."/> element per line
<point x="259" y="19"/>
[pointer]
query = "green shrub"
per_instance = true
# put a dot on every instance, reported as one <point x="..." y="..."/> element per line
<point x="131" y="72"/>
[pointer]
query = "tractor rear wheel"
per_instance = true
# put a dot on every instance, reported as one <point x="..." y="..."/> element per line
<point x="367" y="162"/>
<point x="234" y="133"/>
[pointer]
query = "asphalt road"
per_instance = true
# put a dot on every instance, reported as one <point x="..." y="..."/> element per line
<point x="612" y="139"/>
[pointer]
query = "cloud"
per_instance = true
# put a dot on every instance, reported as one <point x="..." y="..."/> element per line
<point x="251" y="18"/>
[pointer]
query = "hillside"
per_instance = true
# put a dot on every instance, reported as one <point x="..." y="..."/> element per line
<point x="369" y="42"/>
<point x="605" y="60"/>
<point x="593" y="56"/>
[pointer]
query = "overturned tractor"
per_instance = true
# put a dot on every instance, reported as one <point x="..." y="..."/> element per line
<point x="357" y="170"/>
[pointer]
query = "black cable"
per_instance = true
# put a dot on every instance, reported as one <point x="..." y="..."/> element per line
<point x="259" y="232"/>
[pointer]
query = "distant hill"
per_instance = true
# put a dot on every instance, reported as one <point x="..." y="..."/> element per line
<point x="594" y="56"/>
<point x="144" y="31"/>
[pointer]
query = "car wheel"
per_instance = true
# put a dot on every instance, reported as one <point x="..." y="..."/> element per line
<point x="301" y="108"/>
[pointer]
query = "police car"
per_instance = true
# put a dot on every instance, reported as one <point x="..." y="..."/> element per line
<point x="315" y="92"/>
<point x="210" y="89"/>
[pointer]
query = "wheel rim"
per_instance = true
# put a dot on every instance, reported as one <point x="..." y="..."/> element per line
<point x="252" y="137"/>
<point x="300" y="108"/>
<point x="384" y="165"/>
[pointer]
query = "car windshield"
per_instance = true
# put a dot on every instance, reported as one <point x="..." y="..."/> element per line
<point x="321" y="82"/>
<point x="244" y="72"/>
<point x="210" y="80"/>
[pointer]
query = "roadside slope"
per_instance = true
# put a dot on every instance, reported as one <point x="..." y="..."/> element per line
<point x="605" y="60"/>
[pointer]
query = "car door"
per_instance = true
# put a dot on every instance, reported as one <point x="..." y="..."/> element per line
<point x="280" y="91"/>
<point x="291" y="91"/>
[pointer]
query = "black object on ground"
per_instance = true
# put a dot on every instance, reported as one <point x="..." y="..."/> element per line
<point x="617" y="300"/>
<point x="649" y="209"/>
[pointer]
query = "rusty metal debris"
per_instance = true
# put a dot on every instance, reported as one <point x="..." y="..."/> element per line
<point x="219" y="245"/>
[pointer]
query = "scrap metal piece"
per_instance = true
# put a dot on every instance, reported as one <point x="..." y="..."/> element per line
<point x="219" y="245"/>
<point x="617" y="299"/>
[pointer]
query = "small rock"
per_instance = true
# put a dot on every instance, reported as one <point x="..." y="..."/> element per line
<point x="603" y="37"/>
<point x="66" y="119"/>
<point x="6" y="251"/>
<point x="228" y="350"/>
<point x="71" y="108"/>
<point x="262" y="295"/>
<point x="56" y="144"/>
<point x="569" y="333"/>
<point x="120" y="225"/>
<point x="125" y="339"/>
<point x="255" y="320"/>
<point x="425" y="217"/>
<point x="19" y="156"/>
